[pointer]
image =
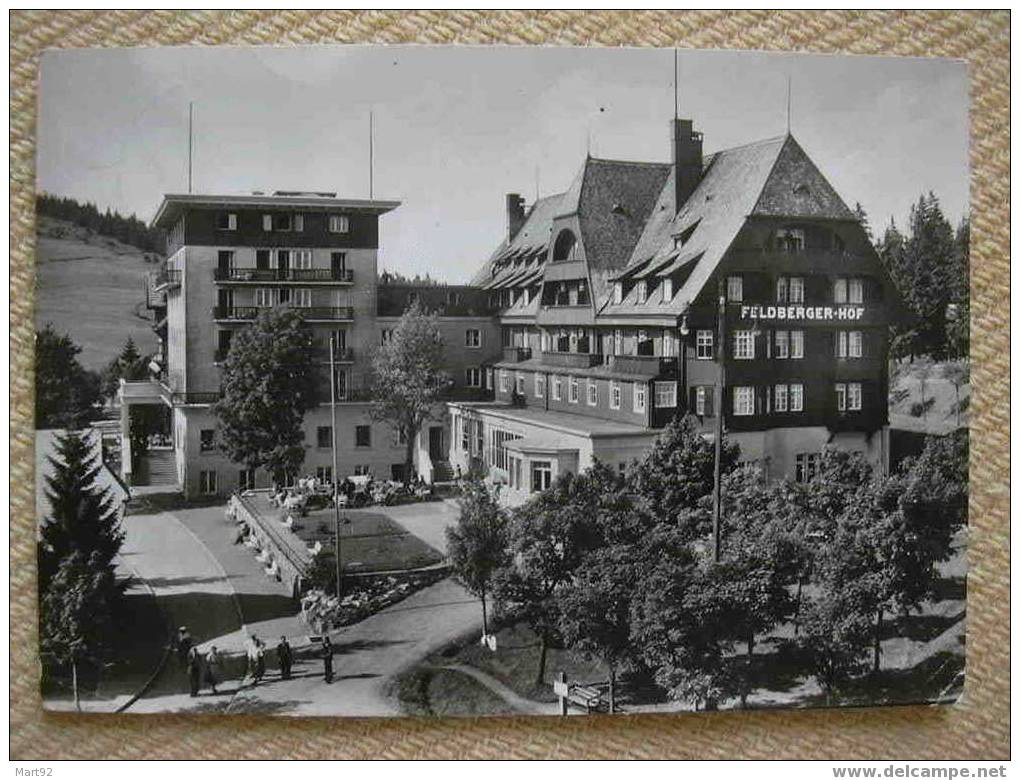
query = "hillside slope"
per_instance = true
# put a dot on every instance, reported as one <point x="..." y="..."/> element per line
<point x="93" y="288"/>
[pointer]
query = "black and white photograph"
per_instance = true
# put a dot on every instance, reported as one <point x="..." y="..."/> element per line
<point x="492" y="380"/>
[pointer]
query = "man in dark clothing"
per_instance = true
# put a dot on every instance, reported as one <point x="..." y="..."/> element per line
<point x="327" y="658"/>
<point x="182" y="645"/>
<point x="194" y="670"/>
<point x="285" y="657"/>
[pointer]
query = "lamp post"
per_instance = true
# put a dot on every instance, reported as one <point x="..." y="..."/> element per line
<point x="720" y="385"/>
<point x="336" y="468"/>
<point x="684" y="331"/>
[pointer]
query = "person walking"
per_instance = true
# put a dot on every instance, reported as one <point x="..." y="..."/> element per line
<point x="327" y="659"/>
<point x="212" y="668"/>
<point x="285" y="658"/>
<point x="251" y="652"/>
<point x="260" y="660"/>
<point x="194" y="670"/>
<point x="182" y="646"/>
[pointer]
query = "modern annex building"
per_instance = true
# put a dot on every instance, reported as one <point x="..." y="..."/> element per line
<point x="230" y="256"/>
<point x="610" y="297"/>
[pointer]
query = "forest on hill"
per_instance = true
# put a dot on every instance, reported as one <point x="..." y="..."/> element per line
<point x="126" y="229"/>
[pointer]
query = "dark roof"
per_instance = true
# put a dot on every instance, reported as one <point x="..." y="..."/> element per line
<point x="528" y="245"/>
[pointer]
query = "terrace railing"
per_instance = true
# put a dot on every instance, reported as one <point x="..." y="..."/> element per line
<point x="341" y="275"/>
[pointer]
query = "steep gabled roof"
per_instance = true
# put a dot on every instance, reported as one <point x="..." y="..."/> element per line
<point x="530" y="241"/>
<point x="796" y="188"/>
<point x="730" y="187"/>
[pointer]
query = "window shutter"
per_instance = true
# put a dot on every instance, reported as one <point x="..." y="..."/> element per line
<point x="299" y="222"/>
<point x="709" y="402"/>
<point x="231" y="221"/>
<point x="267" y="222"/>
<point x="692" y="400"/>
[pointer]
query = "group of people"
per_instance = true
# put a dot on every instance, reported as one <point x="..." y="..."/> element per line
<point x="207" y="668"/>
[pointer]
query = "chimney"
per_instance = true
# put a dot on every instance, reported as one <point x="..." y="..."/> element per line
<point x="514" y="215"/>
<point x="686" y="153"/>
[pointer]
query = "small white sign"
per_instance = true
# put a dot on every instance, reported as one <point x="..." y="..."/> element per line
<point x="560" y="688"/>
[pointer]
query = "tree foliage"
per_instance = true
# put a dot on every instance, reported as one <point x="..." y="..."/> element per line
<point x="408" y="378"/>
<point x="269" y="383"/>
<point x="67" y="395"/>
<point x="128" y="230"/>
<point x="82" y="518"/>
<point x="477" y="543"/>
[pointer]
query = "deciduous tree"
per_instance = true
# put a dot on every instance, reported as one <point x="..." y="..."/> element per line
<point x="269" y="383"/>
<point x="66" y="394"/>
<point x="408" y="378"/>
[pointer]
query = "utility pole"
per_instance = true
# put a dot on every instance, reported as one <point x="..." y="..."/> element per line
<point x="336" y="467"/>
<point x="371" y="155"/>
<point x="191" y="114"/>
<point x="719" y="411"/>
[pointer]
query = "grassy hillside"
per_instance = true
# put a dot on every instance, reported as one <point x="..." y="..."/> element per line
<point x="93" y="288"/>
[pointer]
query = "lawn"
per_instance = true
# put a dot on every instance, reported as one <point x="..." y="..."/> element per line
<point x="444" y="692"/>
<point x="369" y="541"/>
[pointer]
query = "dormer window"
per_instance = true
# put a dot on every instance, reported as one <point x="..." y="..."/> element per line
<point x="225" y="221"/>
<point x="617" y="292"/>
<point x="642" y="291"/>
<point x="789" y="240"/>
<point x="565" y="249"/>
<point x="667" y="290"/>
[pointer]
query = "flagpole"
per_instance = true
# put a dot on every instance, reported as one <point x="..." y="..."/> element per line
<point x="336" y="468"/>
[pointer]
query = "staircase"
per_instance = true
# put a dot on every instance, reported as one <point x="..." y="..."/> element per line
<point x="157" y="468"/>
<point x="442" y="471"/>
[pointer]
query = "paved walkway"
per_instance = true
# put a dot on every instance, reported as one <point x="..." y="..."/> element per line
<point x="428" y="520"/>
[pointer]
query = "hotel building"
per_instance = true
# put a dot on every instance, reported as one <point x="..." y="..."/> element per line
<point x="620" y="299"/>
<point x="228" y="257"/>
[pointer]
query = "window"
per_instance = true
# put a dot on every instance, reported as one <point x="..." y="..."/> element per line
<point x="796" y="398"/>
<point x="361" y="470"/>
<point x="734" y="289"/>
<point x="743" y="345"/>
<point x="465" y="434"/>
<point x="557" y="388"/>
<point x="704" y="401"/>
<point x="703" y="342"/>
<point x="519" y="384"/>
<point x="299" y="223"/>
<point x="796" y="289"/>
<point x="283" y="295"/>
<point x="782" y="289"/>
<point x="849" y="344"/>
<point x="207" y="482"/>
<point x="573" y="390"/>
<point x="385" y="336"/>
<point x="473" y="377"/>
<point x="617" y="292"/>
<point x="642" y="291"/>
<point x="225" y="221"/>
<point x="324" y="474"/>
<point x="565" y="248"/>
<point x="473" y="338"/>
<point x="206" y="440"/>
<point x="593" y="393"/>
<point x="246" y="479"/>
<point x="780" y="396"/>
<point x="639" y="397"/>
<point x="743" y="401"/>
<point x="807" y="466"/>
<point x="504" y="382"/>
<point x="668" y="343"/>
<point x="363" y="436"/>
<point x="302" y="259"/>
<point x="796" y="344"/>
<point x="667" y="290"/>
<point x="848" y="291"/>
<point x="618" y="342"/>
<point x="324" y="436"/>
<point x="848" y="397"/>
<point x="302" y="297"/>
<point x="541" y="475"/>
<point x="339" y="223"/>
<point x="614" y="394"/>
<point x="283" y="222"/>
<point x="539" y="385"/>
<point x="782" y="341"/>
<point x="498" y="455"/>
<point x="665" y="395"/>
<point x="264" y="297"/>
<point x="790" y="240"/>
<point x="267" y="223"/>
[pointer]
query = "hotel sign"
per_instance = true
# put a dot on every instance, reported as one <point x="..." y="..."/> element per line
<point x="801" y="312"/>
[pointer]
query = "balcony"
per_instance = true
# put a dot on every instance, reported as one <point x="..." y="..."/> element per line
<point x="166" y="279"/>
<point x="571" y="359"/>
<point x="276" y="275"/>
<point x="320" y="313"/>
<point x="194" y="399"/>
<point x="516" y="354"/>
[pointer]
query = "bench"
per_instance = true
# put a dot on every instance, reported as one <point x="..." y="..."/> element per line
<point x="587" y="697"/>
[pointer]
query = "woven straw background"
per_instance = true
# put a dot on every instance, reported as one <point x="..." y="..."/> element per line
<point x="977" y="727"/>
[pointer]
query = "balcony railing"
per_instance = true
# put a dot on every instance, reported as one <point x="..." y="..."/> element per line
<point x="307" y="312"/>
<point x="167" y="278"/>
<point x="571" y="359"/>
<point x="343" y="275"/>
<point x="188" y="399"/>
<point x="516" y="354"/>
